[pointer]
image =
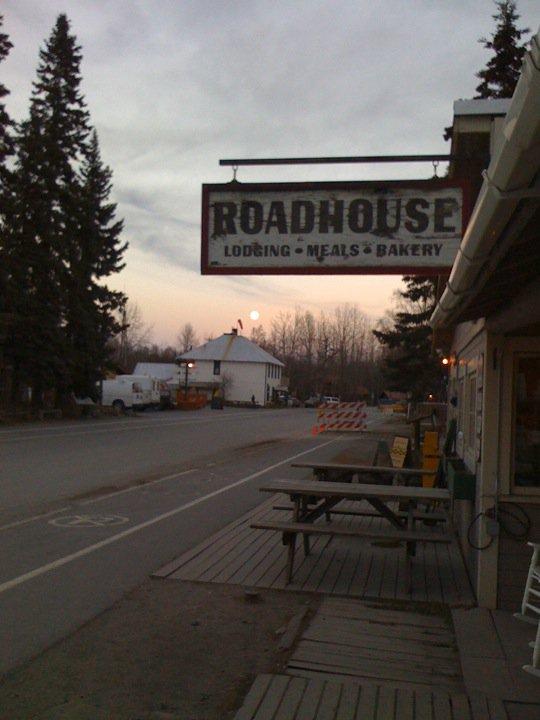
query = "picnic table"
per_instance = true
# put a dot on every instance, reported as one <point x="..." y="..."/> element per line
<point x="314" y="498"/>
<point x="328" y="471"/>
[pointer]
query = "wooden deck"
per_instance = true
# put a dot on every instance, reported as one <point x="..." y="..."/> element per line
<point x="369" y="660"/>
<point x="241" y="555"/>
<point x="351" y="640"/>
<point x="282" y="697"/>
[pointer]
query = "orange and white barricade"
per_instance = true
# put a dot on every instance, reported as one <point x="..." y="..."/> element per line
<point x="340" y="417"/>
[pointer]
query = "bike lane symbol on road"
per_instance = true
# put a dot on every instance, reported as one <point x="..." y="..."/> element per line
<point x="86" y="521"/>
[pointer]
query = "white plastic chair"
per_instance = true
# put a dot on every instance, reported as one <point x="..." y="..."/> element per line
<point x="534" y="669"/>
<point x="530" y="607"/>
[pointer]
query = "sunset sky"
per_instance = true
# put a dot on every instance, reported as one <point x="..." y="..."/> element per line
<point x="173" y="86"/>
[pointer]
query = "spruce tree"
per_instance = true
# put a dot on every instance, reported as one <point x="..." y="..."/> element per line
<point x="6" y="124"/>
<point x="51" y="145"/>
<point x="92" y="308"/>
<point x="502" y="72"/>
<point x="6" y="151"/>
<point x="410" y="365"/>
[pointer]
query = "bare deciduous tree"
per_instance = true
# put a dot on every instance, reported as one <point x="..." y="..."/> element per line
<point x="258" y="336"/>
<point x="187" y="338"/>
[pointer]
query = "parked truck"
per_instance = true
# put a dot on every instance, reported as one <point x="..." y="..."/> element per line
<point x="131" y="392"/>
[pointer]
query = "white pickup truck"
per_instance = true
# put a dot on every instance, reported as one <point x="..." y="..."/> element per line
<point x="126" y="392"/>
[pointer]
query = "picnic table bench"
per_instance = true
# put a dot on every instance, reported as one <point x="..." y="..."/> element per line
<point x="313" y="499"/>
<point x="346" y="471"/>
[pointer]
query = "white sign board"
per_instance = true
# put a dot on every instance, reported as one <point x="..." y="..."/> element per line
<point x="386" y="227"/>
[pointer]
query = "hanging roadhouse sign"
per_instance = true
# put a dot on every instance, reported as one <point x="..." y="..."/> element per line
<point x="390" y="227"/>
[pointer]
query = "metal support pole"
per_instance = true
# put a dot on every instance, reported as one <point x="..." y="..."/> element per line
<point x="337" y="160"/>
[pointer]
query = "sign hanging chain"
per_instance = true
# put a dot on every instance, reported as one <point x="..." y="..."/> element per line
<point x="435" y="166"/>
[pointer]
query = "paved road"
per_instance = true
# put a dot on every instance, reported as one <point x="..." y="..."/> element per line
<point x="57" y="462"/>
<point x="90" y="509"/>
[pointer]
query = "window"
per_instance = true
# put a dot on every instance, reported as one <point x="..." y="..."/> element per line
<point x="526" y="426"/>
<point x="217" y="367"/>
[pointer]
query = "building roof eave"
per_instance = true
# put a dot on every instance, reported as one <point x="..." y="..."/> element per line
<point x="509" y="183"/>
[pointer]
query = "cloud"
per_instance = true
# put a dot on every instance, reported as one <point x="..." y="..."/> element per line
<point x="172" y="87"/>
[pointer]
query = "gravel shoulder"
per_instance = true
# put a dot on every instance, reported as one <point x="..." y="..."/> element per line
<point x="169" y="650"/>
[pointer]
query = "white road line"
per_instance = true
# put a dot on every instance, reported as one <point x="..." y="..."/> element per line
<point x="97" y="546"/>
<point x="31" y="519"/>
<point x="98" y="431"/>
<point x="141" y="486"/>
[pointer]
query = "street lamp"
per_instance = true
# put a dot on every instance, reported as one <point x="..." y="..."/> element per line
<point x="187" y="364"/>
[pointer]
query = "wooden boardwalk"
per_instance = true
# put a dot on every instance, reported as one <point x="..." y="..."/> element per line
<point x="365" y="661"/>
<point x="351" y="640"/>
<point x="360" y="568"/>
<point x="282" y="697"/>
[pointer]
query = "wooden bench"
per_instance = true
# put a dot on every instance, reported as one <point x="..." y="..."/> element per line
<point x="290" y="530"/>
<point x="431" y="516"/>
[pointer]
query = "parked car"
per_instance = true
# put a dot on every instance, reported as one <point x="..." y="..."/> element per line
<point x="312" y="401"/>
<point x="330" y="400"/>
<point x="293" y="401"/>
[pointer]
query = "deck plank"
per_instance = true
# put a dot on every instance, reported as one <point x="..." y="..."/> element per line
<point x="329" y="701"/>
<point x="372" y="671"/>
<point x="345" y="639"/>
<point x="310" y="700"/>
<point x="423" y="706"/>
<point x="425" y="635"/>
<point x="441" y="706"/>
<point x="309" y="696"/>
<point x="291" y="699"/>
<point x="497" y="710"/>
<point x="348" y="702"/>
<point x="387" y="703"/>
<point x="254" y="697"/>
<point x="404" y="704"/>
<point x="273" y="697"/>
<point x="367" y="703"/>
<point x="426" y="663"/>
<point x="460" y="707"/>
<point x="342" y="607"/>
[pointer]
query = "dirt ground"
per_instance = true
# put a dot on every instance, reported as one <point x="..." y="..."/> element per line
<point x="170" y="650"/>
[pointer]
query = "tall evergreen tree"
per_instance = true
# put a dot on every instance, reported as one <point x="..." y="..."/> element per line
<point x="6" y="124"/>
<point x="410" y="365"/>
<point x="6" y="150"/>
<point x="51" y="145"/>
<point x="501" y="74"/>
<point x="96" y="253"/>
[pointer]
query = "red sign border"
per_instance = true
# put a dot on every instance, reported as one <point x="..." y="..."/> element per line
<point x="373" y="185"/>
